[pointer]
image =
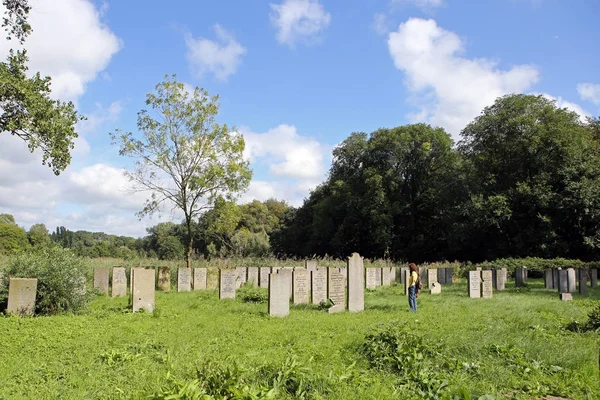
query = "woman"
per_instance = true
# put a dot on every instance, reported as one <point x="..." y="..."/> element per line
<point x="412" y="287"/>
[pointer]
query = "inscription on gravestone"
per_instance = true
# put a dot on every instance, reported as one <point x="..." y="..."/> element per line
<point x="279" y="303"/>
<point x="200" y="275"/>
<point x="486" y="276"/>
<point x="119" y="282"/>
<point x="486" y="289"/>
<point x="21" y="296"/>
<point x="227" y="283"/>
<point x="336" y="289"/>
<point x="264" y="276"/>
<point x="356" y="283"/>
<point x="474" y="284"/>
<point x="101" y="279"/>
<point x="142" y="289"/>
<point x="184" y="279"/>
<point x="319" y="285"/>
<point x="300" y="277"/>
<point x="371" y="280"/>
<point x="164" y="279"/>
<point x="253" y="276"/>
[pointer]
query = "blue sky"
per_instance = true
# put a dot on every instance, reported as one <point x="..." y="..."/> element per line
<point x="295" y="76"/>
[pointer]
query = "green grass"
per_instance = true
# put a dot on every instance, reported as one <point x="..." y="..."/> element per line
<point x="110" y="353"/>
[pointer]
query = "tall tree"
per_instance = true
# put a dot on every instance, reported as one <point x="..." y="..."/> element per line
<point x="27" y="111"/>
<point x="184" y="157"/>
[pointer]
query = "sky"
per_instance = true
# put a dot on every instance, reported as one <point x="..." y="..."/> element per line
<point x="296" y="77"/>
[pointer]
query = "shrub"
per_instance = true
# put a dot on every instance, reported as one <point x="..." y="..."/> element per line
<point x="61" y="279"/>
<point x="252" y="294"/>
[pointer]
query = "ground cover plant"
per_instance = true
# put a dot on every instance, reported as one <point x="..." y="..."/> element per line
<point x="194" y="346"/>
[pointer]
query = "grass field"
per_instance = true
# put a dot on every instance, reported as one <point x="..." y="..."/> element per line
<point x="511" y="346"/>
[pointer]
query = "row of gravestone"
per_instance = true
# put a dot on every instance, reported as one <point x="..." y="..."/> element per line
<point x="482" y="283"/>
<point x="567" y="281"/>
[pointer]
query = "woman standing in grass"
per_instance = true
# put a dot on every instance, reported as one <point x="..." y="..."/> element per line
<point x="412" y="287"/>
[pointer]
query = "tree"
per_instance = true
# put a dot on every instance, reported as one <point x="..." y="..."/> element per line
<point x="38" y="235"/>
<point x="13" y="239"/>
<point x="185" y="158"/>
<point x="7" y="219"/>
<point x="27" y="111"/>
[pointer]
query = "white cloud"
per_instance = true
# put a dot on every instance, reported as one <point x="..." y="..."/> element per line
<point x="589" y="92"/>
<point x="381" y="23"/>
<point x="450" y="89"/>
<point x="221" y="57"/>
<point x="299" y="20"/>
<point x="100" y="116"/>
<point x="69" y="42"/>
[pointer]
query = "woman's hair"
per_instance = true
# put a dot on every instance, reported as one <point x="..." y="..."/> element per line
<point x="413" y="267"/>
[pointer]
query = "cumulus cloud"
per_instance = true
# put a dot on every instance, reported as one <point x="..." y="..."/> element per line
<point x="299" y="21"/>
<point x="220" y="57"/>
<point x="71" y="53"/>
<point x="589" y="92"/>
<point x="449" y="88"/>
<point x="99" y="116"/>
<point x="381" y="23"/>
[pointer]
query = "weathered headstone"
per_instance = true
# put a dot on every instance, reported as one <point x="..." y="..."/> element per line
<point x="119" y="282"/>
<point x="563" y="285"/>
<point x="212" y="278"/>
<point x="300" y="286"/>
<point x="164" y="279"/>
<point x="432" y="276"/>
<point x="487" y="289"/>
<point x="241" y="276"/>
<point x="441" y="276"/>
<point x="200" y="275"/>
<point x="486" y="275"/>
<point x="385" y="276"/>
<point x="474" y="284"/>
<point x="371" y="277"/>
<point x="253" y="276"/>
<point x="336" y="289"/>
<point x="143" y="289"/>
<point x="566" y="296"/>
<point x="264" y="273"/>
<point x="356" y="283"/>
<point x="101" y="279"/>
<point x="520" y="277"/>
<point x="287" y="272"/>
<point x="583" y="289"/>
<point x="279" y="296"/>
<point x="310" y="265"/>
<point x="319" y="285"/>
<point x="393" y="276"/>
<point x="344" y="272"/>
<point x="21" y="296"/>
<point x="377" y="277"/>
<point x="571" y="280"/>
<point x="477" y="268"/>
<point x="548" y="278"/>
<point x="594" y="277"/>
<point x="227" y="283"/>
<point x="449" y="276"/>
<point x="435" y="288"/>
<point x="423" y="276"/>
<point x="184" y="279"/>
<point x="501" y="276"/>
<point x="555" y="278"/>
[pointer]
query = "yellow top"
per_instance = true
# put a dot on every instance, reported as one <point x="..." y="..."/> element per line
<point x="412" y="281"/>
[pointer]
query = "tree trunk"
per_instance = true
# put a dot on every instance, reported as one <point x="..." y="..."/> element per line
<point x="189" y="249"/>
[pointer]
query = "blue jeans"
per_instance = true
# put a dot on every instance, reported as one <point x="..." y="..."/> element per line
<point x="412" y="298"/>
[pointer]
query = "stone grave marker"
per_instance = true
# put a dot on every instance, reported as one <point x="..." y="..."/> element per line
<point x="319" y="285"/>
<point x="583" y="289"/>
<point x="184" y="279"/>
<point x="119" y="282"/>
<point x="563" y="285"/>
<point x="336" y="290"/>
<point x="377" y="277"/>
<point x="385" y="277"/>
<point x="486" y="276"/>
<point x="300" y="286"/>
<point x="212" y="278"/>
<point x="441" y="276"/>
<point x="487" y="289"/>
<point x="555" y="278"/>
<point x="143" y="289"/>
<point x="344" y="272"/>
<point x="501" y="275"/>
<point x="566" y="296"/>
<point x="356" y="283"/>
<point x="449" y="275"/>
<point x="279" y="296"/>
<point x="228" y="279"/>
<point x="21" y="296"/>
<point x="264" y="273"/>
<point x="432" y="277"/>
<point x="435" y="288"/>
<point x="594" y="277"/>
<point x="371" y="278"/>
<point x="477" y="268"/>
<point x="164" y="279"/>
<point x="310" y="265"/>
<point x="520" y="277"/>
<point x="287" y="272"/>
<point x="253" y="276"/>
<point x="423" y="276"/>
<point x="241" y="276"/>
<point x="101" y="279"/>
<point x="200" y="275"/>
<point x="474" y="284"/>
<point x="571" y="280"/>
<point x="548" y="278"/>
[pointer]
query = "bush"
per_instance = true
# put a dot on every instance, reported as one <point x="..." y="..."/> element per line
<point x="61" y="279"/>
<point x="252" y="294"/>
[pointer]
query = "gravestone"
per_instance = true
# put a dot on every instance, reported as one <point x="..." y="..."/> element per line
<point x="494" y="279"/>
<point x="310" y="265"/>
<point x="477" y="268"/>
<point x="432" y="277"/>
<point x="594" y="277"/>
<point x="405" y="278"/>
<point x="287" y="272"/>
<point x="143" y="289"/>
<point x="228" y="279"/>
<point x="403" y="275"/>
<point x="441" y="276"/>
<point x="435" y="288"/>
<point x="300" y="286"/>
<point x="319" y="285"/>
<point x="566" y="296"/>
<point x="212" y="278"/>
<point x="385" y="276"/>
<point x="571" y="280"/>
<point x="474" y="284"/>
<point x="563" y="285"/>
<point x="520" y="277"/>
<point x="486" y="289"/>
<point x="21" y="296"/>
<point x="264" y="273"/>
<point x="449" y="275"/>
<point x="184" y="279"/>
<point x="393" y="277"/>
<point x="101" y="279"/>
<point x="555" y="278"/>
<point x="423" y="276"/>
<point x="336" y="289"/>
<point x="486" y="276"/>
<point x="356" y="283"/>
<point x="241" y="276"/>
<point x="371" y="277"/>
<point x="119" y="282"/>
<point x="501" y="275"/>
<point x="344" y="272"/>
<point x="279" y="296"/>
<point x="583" y="283"/>
<point x="253" y="276"/>
<point x="548" y="278"/>
<point x="200" y="275"/>
<point x="164" y="279"/>
<point x="377" y="277"/>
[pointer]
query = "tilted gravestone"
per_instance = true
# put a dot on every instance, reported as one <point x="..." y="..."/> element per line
<point x="264" y="273"/>
<point x="371" y="277"/>
<point x="385" y="276"/>
<point x="21" y="296"/>
<point x="474" y="284"/>
<point x="253" y="276"/>
<point x="432" y="276"/>
<point x="319" y="285"/>
<point x="435" y="288"/>
<point x="548" y="278"/>
<point x="279" y="296"/>
<point x="184" y="279"/>
<point x="563" y="285"/>
<point x="336" y="290"/>
<point x="241" y="276"/>
<point x="164" y="279"/>
<point x="212" y="278"/>
<point x="501" y="276"/>
<point x="228" y="283"/>
<point x="487" y="289"/>
<point x="583" y="289"/>
<point x="200" y="275"/>
<point x="356" y="283"/>
<point x="119" y="282"/>
<point x="449" y="276"/>
<point x="571" y="280"/>
<point x="101" y="279"/>
<point x="300" y="286"/>
<point x="142" y="289"/>
<point x="594" y="277"/>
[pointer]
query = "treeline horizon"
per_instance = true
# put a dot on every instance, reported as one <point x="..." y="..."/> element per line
<point x="523" y="181"/>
